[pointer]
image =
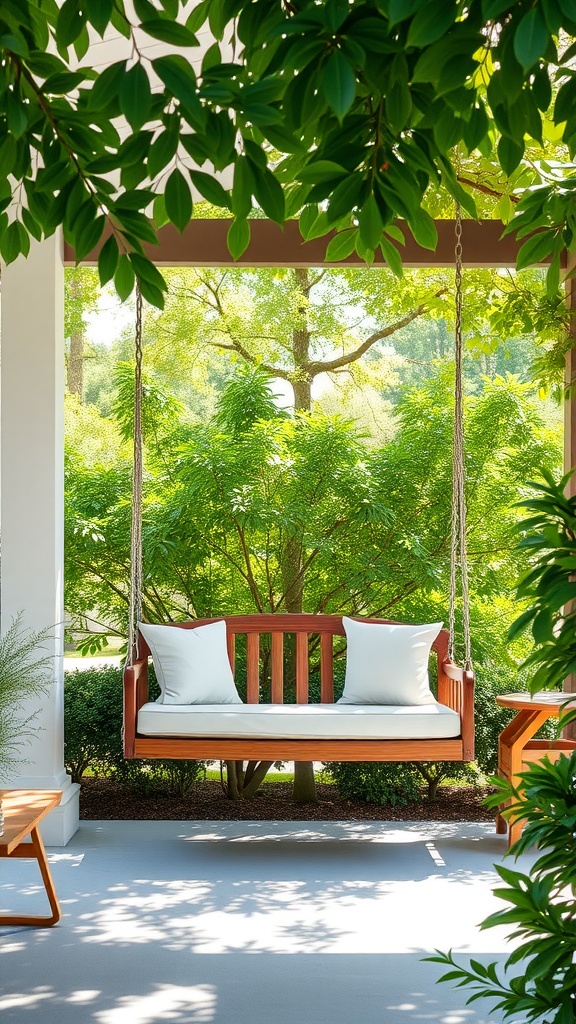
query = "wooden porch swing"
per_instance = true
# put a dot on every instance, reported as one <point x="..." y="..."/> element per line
<point x="440" y="728"/>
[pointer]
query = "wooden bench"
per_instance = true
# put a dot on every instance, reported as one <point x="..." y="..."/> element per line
<point x="23" y="810"/>
<point x="315" y="637"/>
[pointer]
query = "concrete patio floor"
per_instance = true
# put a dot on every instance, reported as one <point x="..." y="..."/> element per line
<point x="252" y="923"/>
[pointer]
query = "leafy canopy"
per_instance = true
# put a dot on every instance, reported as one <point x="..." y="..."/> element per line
<point x="346" y="114"/>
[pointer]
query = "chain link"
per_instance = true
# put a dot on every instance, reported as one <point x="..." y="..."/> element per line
<point x="458" y="547"/>
<point x="135" y="612"/>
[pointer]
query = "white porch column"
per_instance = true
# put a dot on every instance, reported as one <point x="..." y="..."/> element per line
<point x="32" y="499"/>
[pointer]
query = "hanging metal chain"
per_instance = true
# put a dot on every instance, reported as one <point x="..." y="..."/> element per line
<point x="458" y="550"/>
<point x="135" y="613"/>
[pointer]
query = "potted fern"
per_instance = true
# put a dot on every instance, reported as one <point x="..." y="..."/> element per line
<point x="540" y="908"/>
<point x="24" y="673"/>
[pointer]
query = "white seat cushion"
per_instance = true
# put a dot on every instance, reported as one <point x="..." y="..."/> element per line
<point x="300" y="721"/>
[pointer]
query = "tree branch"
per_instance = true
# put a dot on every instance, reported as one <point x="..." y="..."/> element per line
<point x="328" y="365"/>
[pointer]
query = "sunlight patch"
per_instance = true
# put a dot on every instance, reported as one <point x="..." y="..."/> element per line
<point x="198" y="1001"/>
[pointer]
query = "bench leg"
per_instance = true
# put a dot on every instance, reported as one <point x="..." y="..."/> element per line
<point x="35" y="850"/>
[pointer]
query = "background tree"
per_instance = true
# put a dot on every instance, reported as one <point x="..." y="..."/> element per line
<point x="80" y="299"/>
<point x="295" y="324"/>
<point x="224" y="499"/>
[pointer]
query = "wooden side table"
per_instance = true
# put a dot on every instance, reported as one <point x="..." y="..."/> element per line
<point x="23" y="811"/>
<point x="517" y="748"/>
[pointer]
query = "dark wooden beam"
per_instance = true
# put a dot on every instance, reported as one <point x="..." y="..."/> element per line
<point x="203" y="244"/>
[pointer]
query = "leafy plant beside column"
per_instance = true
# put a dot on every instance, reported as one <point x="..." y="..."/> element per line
<point x="24" y="673"/>
<point x="540" y="906"/>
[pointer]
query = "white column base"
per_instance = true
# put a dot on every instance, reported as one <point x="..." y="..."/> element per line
<point x="60" y="825"/>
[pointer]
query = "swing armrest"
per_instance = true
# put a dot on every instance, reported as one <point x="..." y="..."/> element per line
<point x="456" y="691"/>
<point x="135" y="695"/>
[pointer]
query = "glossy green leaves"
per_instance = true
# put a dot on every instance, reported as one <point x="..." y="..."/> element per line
<point x="178" y="199"/>
<point x="350" y="110"/>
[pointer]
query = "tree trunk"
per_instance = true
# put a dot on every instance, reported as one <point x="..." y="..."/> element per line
<point x="304" y="791"/>
<point x="75" y="368"/>
<point x="302" y="387"/>
<point x="242" y="783"/>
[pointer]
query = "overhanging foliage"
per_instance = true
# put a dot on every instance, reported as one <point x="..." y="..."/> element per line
<point x="348" y="115"/>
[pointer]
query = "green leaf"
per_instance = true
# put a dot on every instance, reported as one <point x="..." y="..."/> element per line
<point x="321" y="170"/>
<point x="15" y="114"/>
<point x="313" y="226"/>
<point x="242" y="187"/>
<point x="398" y="105"/>
<point x="162" y="151"/>
<point x="159" y="215"/>
<point x="81" y="44"/>
<point x="10" y="242"/>
<point x="211" y="58"/>
<point x="335" y="14"/>
<point x="432" y="21"/>
<point x="342" y="245"/>
<point x="509" y="154"/>
<point x="179" y="77"/>
<point x="145" y="9"/>
<point x="70" y="22"/>
<point x="169" y="32"/>
<point x="536" y="249"/>
<point x="120" y="22"/>
<point x="63" y="82"/>
<point x="338" y="83"/>
<point x="268" y="193"/>
<point x="370" y="223"/>
<point x="32" y="226"/>
<point x="137" y="225"/>
<point x="210" y="188"/>
<point x="24" y="239"/>
<point x="553" y="278"/>
<point x="135" y="96"/>
<point x="88" y="236"/>
<point x="107" y="86"/>
<point x="124" y="278"/>
<point x="531" y="38"/>
<point x="146" y="271"/>
<point x="565" y="101"/>
<point x="13" y="45"/>
<point x="152" y="295"/>
<point x="99" y="14"/>
<point x="392" y="257"/>
<point x="198" y="16"/>
<point x="346" y="197"/>
<point x="108" y="260"/>
<point x="8" y="153"/>
<point x="424" y="229"/>
<point x="282" y="140"/>
<point x="238" y="237"/>
<point x="178" y="200"/>
<point x="400" y="10"/>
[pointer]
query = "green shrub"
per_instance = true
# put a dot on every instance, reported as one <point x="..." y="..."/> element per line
<point x="93" y="736"/>
<point x="393" y="784"/>
<point x="92" y="720"/>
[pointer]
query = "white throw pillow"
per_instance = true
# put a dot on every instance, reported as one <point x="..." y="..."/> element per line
<point x="387" y="663"/>
<point x="192" y="665"/>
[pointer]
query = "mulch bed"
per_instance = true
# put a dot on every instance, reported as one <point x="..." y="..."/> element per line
<point x="108" y="799"/>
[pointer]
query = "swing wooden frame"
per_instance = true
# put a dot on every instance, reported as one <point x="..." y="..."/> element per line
<point x="315" y="636"/>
